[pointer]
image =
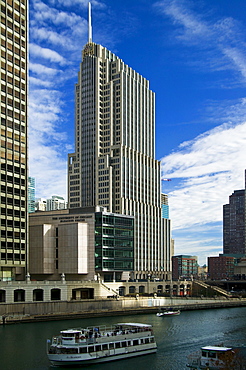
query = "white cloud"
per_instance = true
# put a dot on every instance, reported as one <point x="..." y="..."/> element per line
<point x="51" y="55"/>
<point x="45" y="14"/>
<point x="204" y="173"/>
<point x="208" y="170"/>
<point x="47" y="143"/>
<point x="40" y="69"/>
<point x="83" y="3"/>
<point x="238" y="59"/>
<point x="181" y="14"/>
<point x="38" y="82"/>
<point x="221" y="42"/>
<point x="43" y="34"/>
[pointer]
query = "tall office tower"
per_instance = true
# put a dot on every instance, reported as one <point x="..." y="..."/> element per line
<point x="31" y="194"/>
<point x="13" y="138"/>
<point x="113" y="165"/>
<point x="234" y="235"/>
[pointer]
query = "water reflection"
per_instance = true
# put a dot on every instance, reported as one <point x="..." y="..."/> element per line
<point x="23" y="346"/>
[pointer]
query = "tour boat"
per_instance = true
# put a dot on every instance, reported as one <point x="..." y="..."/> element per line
<point x="75" y="347"/>
<point x="168" y="312"/>
<point x="214" y="358"/>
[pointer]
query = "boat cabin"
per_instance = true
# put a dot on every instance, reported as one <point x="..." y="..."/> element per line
<point x="72" y="336"/>
<point x="216" y="356"/>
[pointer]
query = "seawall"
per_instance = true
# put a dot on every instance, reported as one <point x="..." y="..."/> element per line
<point x="59" y="310"/>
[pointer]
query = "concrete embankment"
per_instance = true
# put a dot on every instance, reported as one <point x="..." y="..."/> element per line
<point x="59" y="310"/>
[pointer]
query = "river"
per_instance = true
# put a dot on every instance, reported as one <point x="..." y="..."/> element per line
<point x="23" y="346"/>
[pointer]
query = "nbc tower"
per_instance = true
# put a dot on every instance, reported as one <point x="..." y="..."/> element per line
<point x="113" y="165"/>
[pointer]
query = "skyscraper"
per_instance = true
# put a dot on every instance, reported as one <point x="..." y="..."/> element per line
<point x="31" y="194"/>
<point x="113" y="165"/>
<point x="234" y="224"/>
<point x="13" y="138"/>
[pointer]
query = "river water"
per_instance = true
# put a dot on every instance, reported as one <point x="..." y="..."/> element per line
<point x="23" y="346"/>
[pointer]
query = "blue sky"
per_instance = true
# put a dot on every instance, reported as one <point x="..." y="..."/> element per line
<point x="193" y="54"/>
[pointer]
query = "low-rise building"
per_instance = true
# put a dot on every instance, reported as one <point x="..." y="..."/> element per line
<point x="240" y="270"/>
<point x="184" y="266"/>
<point x="221" y="267"/>
<point x="202" y="272"/>
<point x="55" y="202"/>
<point x="82" y="244"/>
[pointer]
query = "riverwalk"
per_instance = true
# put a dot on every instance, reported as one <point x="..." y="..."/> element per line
<point x="45" y="311"/>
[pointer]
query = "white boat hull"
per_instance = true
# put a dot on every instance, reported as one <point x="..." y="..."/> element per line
<point x="111" y="355"/>
<point x="168" y="313"/>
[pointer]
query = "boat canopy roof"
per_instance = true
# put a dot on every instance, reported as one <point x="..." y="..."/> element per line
<point x="70" y="331"/>
<point x="216" y="348"/>
<point x="139" y="325"/>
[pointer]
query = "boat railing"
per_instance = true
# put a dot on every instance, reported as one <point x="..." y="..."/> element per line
<point x="92" y="336"/>
<point x="194" y="359"/>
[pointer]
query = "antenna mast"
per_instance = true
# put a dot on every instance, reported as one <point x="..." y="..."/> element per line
<point x="89" y="24"/>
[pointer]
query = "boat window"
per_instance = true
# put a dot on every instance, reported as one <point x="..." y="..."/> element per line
<point x="146" y="340"/>
<point x="83" y="350"/>
<point x="204" y="354"/>
<point x="98" y="348"/>
<point x="135" y="342"/>
<point x="67" y="338"/>
<point x="142" y="341"/>
<point x="111" y="345"/>
<point x="212" y="355"/>
<point x="152" y="340"/>
<point x="129" y="343"/>
<point x="104" y="347"/>
<point x="69" y="350"/>
<point x="117" y="345"/>
<point x="91" y="349"/>
<point x="124" y="344"/>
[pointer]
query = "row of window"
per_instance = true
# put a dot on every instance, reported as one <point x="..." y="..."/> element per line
<point x="38" y="295"/>
<point x="106" y="346"/>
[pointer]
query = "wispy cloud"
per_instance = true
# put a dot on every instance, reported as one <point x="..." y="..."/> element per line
<point x="51" y="55"/>
<point x="208" y="169"/>
<point x="47" y="142"/>
<point x="42" y="70"/>
<point x="222" y="41"/>
<point x="202" y="240"/>
<point x="204" y="171"/>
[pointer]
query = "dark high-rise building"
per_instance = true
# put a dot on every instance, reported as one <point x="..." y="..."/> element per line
<point x="234" y="224"/>
<point x="14" y="14"/>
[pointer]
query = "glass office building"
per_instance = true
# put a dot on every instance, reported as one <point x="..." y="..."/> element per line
<point x="114" y="245"/>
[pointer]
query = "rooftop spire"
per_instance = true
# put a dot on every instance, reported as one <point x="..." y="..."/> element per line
<point x="89" y="23"/>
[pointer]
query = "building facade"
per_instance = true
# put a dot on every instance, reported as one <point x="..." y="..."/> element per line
<point x="113" y="165"/>
<point x="221" y="268"/>
<point x="234" y="235"/>
<point x="31" y="194"/>
<point x="114" y="246"/>
<point x="62" y="242"/>
<point x="56" y="202"/>
<point x="14" y="14"/>
<point x="81" y="244"/>
<point x="40" y="204"/>
<point x="184" y="266"/>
